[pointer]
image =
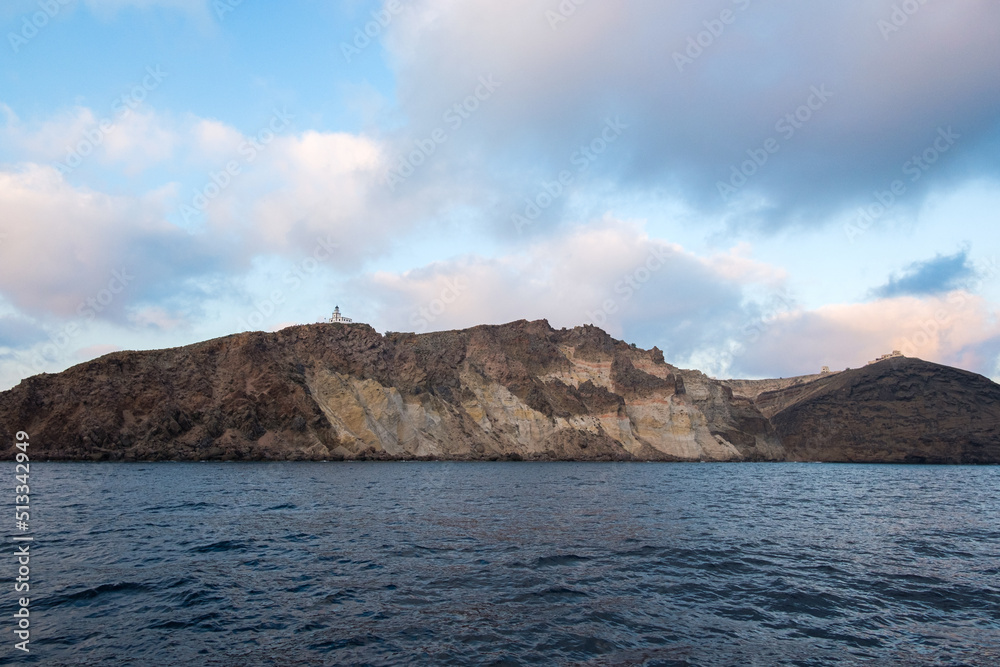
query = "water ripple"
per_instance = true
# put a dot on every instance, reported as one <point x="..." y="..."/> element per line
<point x="514" y="564"/>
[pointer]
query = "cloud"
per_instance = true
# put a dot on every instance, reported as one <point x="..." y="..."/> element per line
<point x="956" y="328"/>
<point x="132" y="139"/>
<point x="214" y="139"/>
<point x="75" y="252"/>
<point x="299" y="192"/>
<point x="943" y="273"/>
<point x="609" y="273"/>
<point x="286" y="191"/>
<point x="738" y="265"/>
<point x="881" y="101"/>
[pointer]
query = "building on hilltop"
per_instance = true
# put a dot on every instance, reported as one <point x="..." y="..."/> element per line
<point x="894" y="353"/>
<point x="337" y="318"/>
<point x="825" y="370"/>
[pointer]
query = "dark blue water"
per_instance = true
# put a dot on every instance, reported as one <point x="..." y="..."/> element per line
<point x="512" y="564"/>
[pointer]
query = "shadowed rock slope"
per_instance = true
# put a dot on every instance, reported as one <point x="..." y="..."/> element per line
<point x="900" y="410"/>
<point x="515" y="391"/>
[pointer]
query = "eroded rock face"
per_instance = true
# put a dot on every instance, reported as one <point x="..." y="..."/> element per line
<point x="515" y="391"/>
<point x="335" y="391"/>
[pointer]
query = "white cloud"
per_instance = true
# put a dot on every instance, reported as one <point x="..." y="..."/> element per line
<point x="140" y="140"/>
<point x="71" y="245"/>
<point x="287" y="189"/>
<point x="609" y="273"/>
<point x="130" y="139"/>
<point x="302" y="188"/>
<point x="737" y="265"/>
<point x="214" y="139"/>
<point x="958" y="329"/>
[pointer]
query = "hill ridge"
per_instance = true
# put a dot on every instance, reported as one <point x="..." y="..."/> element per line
<point x="520" y="390"/>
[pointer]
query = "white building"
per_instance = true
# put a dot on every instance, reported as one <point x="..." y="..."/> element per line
<point x="337" y="318"/>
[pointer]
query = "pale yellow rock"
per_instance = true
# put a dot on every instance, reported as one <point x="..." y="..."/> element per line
<point x="597" y="372"/>
<point x="366" y="415"/>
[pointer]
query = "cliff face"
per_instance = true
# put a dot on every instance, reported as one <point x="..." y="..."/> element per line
<point x="516" y="391"/>
<point x="335" y="391"/>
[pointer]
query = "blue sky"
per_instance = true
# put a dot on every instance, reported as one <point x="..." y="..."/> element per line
<point x="759" y="189"/>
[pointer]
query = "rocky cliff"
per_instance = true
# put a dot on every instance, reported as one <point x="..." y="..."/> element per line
<point x="515" y="391"/>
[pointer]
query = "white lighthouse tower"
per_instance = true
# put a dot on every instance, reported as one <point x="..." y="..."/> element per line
<point x="338" y="318"/>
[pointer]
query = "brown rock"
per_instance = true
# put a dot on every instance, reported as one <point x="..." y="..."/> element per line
<point x="900" y="410"/>
<point x="519" y="391"/>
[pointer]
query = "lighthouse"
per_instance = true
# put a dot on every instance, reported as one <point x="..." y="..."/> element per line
<point x="338" y="318"/>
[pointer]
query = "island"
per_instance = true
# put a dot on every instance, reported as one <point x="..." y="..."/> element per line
<point x="340" y="390"/>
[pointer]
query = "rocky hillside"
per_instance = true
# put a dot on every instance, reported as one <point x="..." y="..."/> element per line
<point x="515" y="391"/>
<point x="900" y="410"/>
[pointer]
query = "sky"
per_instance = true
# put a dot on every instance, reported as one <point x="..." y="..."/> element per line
<point x="758" y="189"/>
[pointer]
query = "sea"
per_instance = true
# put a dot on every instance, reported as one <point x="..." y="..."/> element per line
<point x="507" y="563"/>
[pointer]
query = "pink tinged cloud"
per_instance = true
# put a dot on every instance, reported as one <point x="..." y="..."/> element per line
<point x="957" y="328"/>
